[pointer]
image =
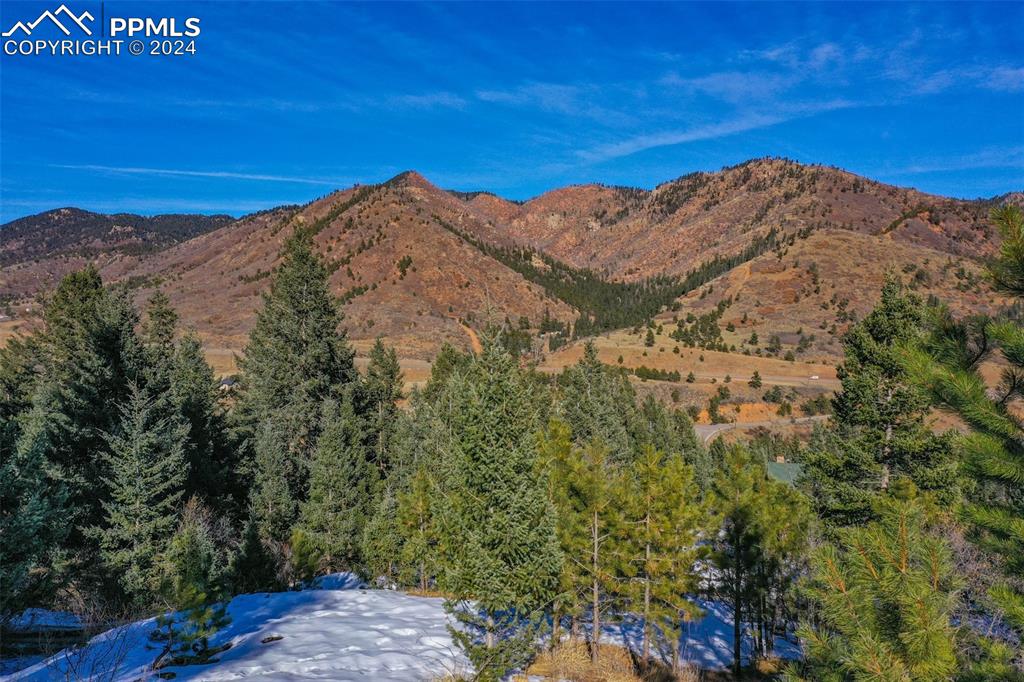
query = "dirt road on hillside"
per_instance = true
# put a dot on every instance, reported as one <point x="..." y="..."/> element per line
<point x="708" y="432"/>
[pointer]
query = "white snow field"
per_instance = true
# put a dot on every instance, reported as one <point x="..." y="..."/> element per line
<point x="707" y="643"/>
<point x="334" y="632"/>
<point x="337" y="631"/>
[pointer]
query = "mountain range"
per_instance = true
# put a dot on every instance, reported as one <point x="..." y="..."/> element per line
<point x="792" y="247"/>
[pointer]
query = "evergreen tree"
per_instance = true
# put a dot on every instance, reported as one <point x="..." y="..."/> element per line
<point x="88" y="355"/>
<point x="755" y="380"/>
<point x="884" y="408"/>
<point x="382" y="388"/>
<point x="582" y="488"/>
<point x="835" y="468"/>
<point x="296" y="359"/>
<point x="196" y="573"/>
<point x="735" y="501"/>
<point x="32" y="515"/>
<point x="658" y="427"/>
<point x="193" y="392"/>
<point x="252" y="568"/>
<point x="1006" y="271"/>
<point x="557" y="460"/>
<point x="658" y="543"/>
<point x="147" y="472"/>
<point x="419" y="527"/>
<point x="160" y="324"/>
<point x="449" y="361"/>
<point x="500" y="545"/>
<point x="784" y="523"/>
<point x="415" y="445"/>
<point x="304" y="560"/>
<point x="598" y="404"/>
<point x="758" y="547"/>
<point x="947" y="365"/>
<point x="886" y="597"/>
<point x="271" y="502"/>
<point x="382" y="542"/>
<point x="671" y="432"/>
<point x="592" y="485"/>
<point x="177" y="372"/>
<point x="341" y="481"/>
<point x="195" y="559"/>
<point x="19" y="362"/>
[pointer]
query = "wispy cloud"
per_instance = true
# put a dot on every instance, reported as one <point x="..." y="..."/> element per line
<point x="1005" y="79"/>
<point x="1012" y="157"/>
<point x="798" y="56"/>
<point x="430" y="100"/>
<point x="731" y="86"/>
<point x="560" y="98"/>
<point x="740" y="124"/>
<point x="228" y="175"/>
<point x="907" y="65"/>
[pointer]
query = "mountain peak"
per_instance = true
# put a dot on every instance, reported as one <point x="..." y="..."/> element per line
<point x="410" y="178"/>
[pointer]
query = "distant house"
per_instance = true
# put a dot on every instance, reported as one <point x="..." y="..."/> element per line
<point x="786" y="472"/>
<point x="227" y="384"/>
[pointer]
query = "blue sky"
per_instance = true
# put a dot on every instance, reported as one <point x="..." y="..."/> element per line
<point x="284" y="102"/>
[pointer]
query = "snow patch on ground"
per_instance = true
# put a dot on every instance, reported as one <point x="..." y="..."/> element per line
<point x="706" y="643"/>
<point x="332" y="632"/>
<point x="336" y="630"/>
<point x="42" y="620"/>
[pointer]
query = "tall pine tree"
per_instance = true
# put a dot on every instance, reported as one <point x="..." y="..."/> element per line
<point x="836" y="467"/>
<point x="381" y="389"/>
<point x="419" y="528"/>
<point x="89" y="354"/>
<point x="762" y="536"/>
<point x="598" y="404"/>
<point x="207" y="449"/>
<point x="500" y="545"/>
<point x="32" y="515"/>
<point x="885" y="597"/>
<point x="147" y="475"/>
<point x="272" y="504"/>
<point x="947" y="365"/>
<point x="662" y="519"/>
<point x="878" y="399"/>
<point x="341" y="483"/>
<point x="883" y="409"/>
<point x="296" y="359"/>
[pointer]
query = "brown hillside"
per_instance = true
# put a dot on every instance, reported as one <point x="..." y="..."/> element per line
<point x="632" y="233"/>
<point x="367" y="235"/>
<point x="824" y="283"/>
<point x="851" y="230"/>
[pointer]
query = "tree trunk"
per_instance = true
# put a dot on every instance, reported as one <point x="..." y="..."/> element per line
<point x="760" y="623"/>
<point x="675" y="651"/>
<point x="886" y="446"/>
<point x="556" y="627"/>
<point x="736" y="617"/>
<point x="647" y="601"/>
<point x="596" y="634"/>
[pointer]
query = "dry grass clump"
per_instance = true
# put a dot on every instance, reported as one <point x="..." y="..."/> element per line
<point x="770" y="666"/>
<point x="570" y="661"/>
<point x="688" y="673"/>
